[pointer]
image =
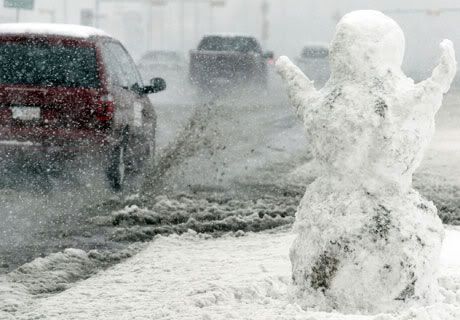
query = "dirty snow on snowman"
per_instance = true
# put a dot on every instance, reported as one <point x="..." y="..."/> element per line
<point x="365" y="239"/>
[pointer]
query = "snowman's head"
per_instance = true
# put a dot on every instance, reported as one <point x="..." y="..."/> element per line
<point x="366" y="43"/>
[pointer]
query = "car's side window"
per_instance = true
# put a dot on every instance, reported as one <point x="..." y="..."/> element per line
<point x="120" y="67"/>
<point x="113" y="67"/>
<point x="127" y="64"/>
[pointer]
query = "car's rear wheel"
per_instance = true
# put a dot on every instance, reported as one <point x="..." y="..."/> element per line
<point x="117" y="165"/>
<point x="127" y="163"/>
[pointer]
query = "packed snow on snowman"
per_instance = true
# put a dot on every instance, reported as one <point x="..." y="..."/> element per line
<point x="365" y="245"/>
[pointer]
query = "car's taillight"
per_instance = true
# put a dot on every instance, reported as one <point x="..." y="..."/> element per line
<point x="105" y="108"/>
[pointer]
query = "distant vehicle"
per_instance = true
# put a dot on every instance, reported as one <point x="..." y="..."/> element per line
<point x="314" y="62"/>
<point x="70" y="90"/>
<point x="223" y="60"/>
<point x="162" y="62"/>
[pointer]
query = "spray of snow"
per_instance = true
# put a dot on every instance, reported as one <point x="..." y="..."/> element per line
<point x="366" y="240"/>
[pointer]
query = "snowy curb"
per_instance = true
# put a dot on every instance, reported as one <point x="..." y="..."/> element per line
<point x="189" y="277"/>
<point x="53" y="274"/>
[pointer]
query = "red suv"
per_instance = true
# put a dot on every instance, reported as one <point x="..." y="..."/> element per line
<point x="69" y="90"/>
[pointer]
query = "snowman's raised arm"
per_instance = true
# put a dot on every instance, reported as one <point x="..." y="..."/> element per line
<point x="444" y="73"/>
<point x="300" y="89"/>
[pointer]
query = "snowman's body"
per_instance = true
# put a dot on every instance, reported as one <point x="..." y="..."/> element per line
<point x="366" y="239"/>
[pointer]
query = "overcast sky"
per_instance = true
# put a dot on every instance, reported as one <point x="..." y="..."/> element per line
<point x="292" y="23"/>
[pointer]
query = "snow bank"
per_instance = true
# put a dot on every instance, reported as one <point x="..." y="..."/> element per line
<point x="366" y="240"/>
<point x="53" y="274"/>
<point x="55" y="29"/>
<point x="188" y="277"/>
<point x="43" y="275"/>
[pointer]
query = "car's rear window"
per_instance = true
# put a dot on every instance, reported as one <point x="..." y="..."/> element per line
<point x="240" y="44"/>
<point x="44" y="64"/>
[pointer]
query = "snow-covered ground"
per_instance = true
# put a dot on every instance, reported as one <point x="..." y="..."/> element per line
<point x="196" y="277"/>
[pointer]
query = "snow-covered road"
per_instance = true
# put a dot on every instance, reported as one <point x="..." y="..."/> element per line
<point x="192" y="277"/>
<point x="247" y="133"/>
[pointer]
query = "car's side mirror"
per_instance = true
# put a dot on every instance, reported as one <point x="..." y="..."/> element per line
<point x="156" y="85"/>
<point x="269" y="55"/>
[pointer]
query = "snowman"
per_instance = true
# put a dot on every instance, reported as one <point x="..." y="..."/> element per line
<point x="366" y="240"/>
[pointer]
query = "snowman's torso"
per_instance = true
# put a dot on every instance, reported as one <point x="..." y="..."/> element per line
<point x="357" y="129"/>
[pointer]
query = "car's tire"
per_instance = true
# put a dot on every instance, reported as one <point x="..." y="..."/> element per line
<point x="116" y="168"/>
<point x="127" y="163"/>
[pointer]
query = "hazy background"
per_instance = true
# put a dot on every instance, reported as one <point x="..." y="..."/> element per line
<point x="283" y="26"/>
